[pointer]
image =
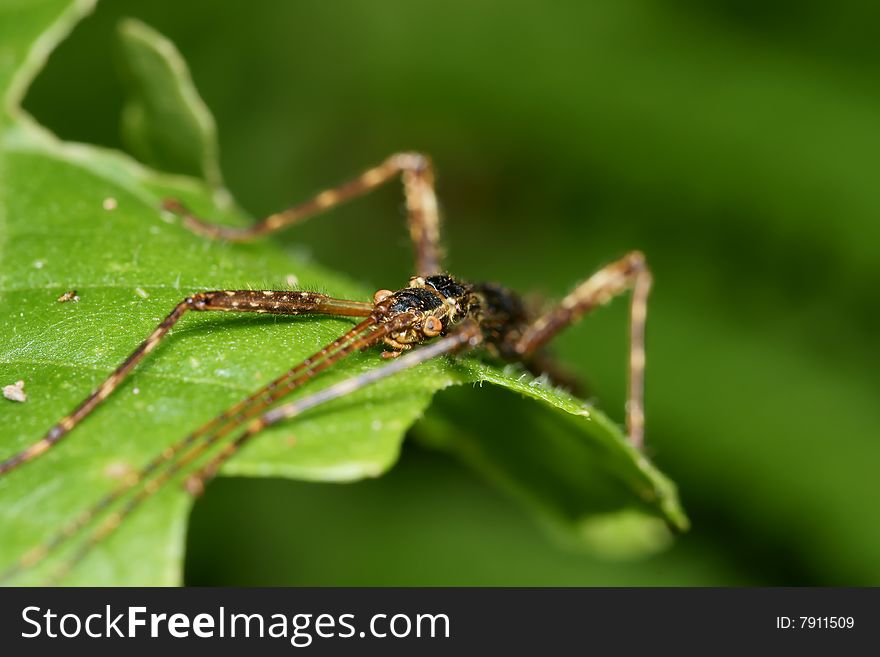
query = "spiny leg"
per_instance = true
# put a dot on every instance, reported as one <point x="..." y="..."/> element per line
<point x="355" y="340"/>
<point x="467" y="336"/>
<point x="423" y="217"/>
<point x="259" y="301"/>
<point x="629" y="273"/>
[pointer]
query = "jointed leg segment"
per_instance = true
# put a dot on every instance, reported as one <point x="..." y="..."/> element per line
<point x="423" y="217"/>
<point x="177" y="456"/>
<point x="259" y="301"/>
<point x="629" y="273"/>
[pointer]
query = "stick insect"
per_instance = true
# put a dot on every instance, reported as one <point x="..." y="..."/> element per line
<point x="436" y="312"/>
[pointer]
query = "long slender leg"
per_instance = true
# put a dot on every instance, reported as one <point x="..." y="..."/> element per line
<point x="151" y="477"/>
<point x="423" y="217"/>
<point x="629" y="273"/>
<point x="467" y="336"/>
<point x="190" y="450"/>
<point x="259" y="301"/>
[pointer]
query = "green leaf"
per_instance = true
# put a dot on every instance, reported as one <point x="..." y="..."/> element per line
<point x="575" y="486"/>
<point x="76" y="217"/>
<point x="165" y="123"/>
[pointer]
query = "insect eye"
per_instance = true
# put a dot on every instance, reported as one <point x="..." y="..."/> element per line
<point x="432" y="326"/>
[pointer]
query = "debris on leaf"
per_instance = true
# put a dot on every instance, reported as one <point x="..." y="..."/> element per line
<point x="70" y="295"/>
<point x="118" y="470"/>
<point x="109" y="203"/>
<point x="15" y="392"/>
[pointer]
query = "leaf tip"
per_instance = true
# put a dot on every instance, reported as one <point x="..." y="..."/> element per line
<point x="624" y="534"/>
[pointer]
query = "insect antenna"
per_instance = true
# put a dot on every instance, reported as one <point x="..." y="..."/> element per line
<point x="174" y="458"/>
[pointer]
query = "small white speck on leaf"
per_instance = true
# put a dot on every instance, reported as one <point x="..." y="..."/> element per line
<point x="39" y="264"/>
<point x="117" y="470"/>
<point x="109" y="203"/>
<point x="15" y="392"/>
<point x="142" y="293"/>
<point x="136" y="391"/>
<point x="292" y="280"/>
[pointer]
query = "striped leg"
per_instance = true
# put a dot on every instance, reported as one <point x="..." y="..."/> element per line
<point x="629" y="273"/>
<point x="267" y="301"/>
<point x="423" y="216"/>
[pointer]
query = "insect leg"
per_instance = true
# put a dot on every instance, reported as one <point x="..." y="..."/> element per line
<point x="423" y="217"/>
<point x="629" y="273"/>
<point x="173" y="458"/>
<point x="191" y="449"/>
<point x="278" y="302"/>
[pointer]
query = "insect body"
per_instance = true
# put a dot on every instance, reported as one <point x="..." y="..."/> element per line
<point x="436" y="303"/>
<point x="435" y="308"/>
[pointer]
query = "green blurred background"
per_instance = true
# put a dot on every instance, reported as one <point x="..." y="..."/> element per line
<point x="736" y="142"/>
